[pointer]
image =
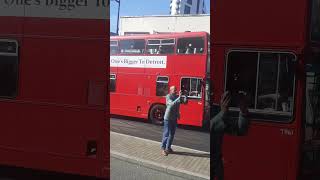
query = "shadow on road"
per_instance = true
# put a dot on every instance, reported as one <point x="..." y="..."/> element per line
<point x="146" y="121"/>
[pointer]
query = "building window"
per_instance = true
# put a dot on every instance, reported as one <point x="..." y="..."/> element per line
<point x="114" y="47"/>
<point x="162" y="86"/>
<point x="198" y="6"/>
<point x="267" y="78"/>
<point x="9" y="68"/>
<point x="136" y="46"/>
<point x="187" y="10"/>
<point x="193" y="45"/>
<point x="192" y="87"/>
<point x="189" y="2"/>
<point x="160" y="46"/>
<point x="112" y="86"/>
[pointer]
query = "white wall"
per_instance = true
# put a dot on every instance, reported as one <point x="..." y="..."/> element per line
<point x="160" y="24"/>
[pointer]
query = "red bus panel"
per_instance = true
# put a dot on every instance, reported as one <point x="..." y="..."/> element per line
<point x="137" y="75"/>
<point x="57" y="118"/>
<point x="272" y="149"/>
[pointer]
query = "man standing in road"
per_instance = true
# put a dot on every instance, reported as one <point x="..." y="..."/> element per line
<point x="171" y="116"/>
<point x="224" y="123"/>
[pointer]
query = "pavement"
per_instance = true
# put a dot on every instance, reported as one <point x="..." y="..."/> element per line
<point x="186" y="136"/>
<point x="121" y="170"/>
<point x="184" y="162"/>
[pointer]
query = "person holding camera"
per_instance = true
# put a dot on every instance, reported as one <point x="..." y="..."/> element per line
<point x="171" y="115"/>
<point x="223" y="123"/>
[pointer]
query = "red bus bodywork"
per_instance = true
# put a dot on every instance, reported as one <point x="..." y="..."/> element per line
<point x="135" y="91"/>
<point x="272" y="149"/>
<point x="57" y="120"/>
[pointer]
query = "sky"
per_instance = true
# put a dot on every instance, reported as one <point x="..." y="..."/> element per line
<point x="140" y="8"/>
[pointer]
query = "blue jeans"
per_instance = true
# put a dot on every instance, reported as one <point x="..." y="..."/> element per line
<point x="169" y="129"/>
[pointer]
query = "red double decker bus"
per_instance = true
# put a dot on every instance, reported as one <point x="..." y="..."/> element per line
<point x="143" y="67"/>
<point x="53" y="104"/>
<point x="270" y="51"/>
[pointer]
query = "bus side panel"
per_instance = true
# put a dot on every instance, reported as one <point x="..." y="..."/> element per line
<point x="263" y="150"/>
<point x="61" y="108"/>
<point x="136" y="87"/>
<point x="66" y="27"/>
<point x="266" y="151"/>
<point x="50" y="137"/>
<point x="250" y="22"/>
<point x="59" y="70"/>
<point x="130" y="96"/>
<point x="11" y="25"/>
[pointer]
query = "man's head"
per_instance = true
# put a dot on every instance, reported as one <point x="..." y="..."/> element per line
<point x="160" y="49"/>
<point x="173" y="90"/>
<point x="189" y="49"/>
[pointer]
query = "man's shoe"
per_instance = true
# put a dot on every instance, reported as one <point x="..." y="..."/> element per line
<point x="170" y="151"/>
<point x="164" y="153"/>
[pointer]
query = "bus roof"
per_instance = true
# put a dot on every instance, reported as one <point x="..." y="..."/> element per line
<point x="164" y="35"/>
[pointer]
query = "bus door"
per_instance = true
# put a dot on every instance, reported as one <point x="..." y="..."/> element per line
<point x="192" y="111"/>
<point x="311" y="146"/>
<point x="270" y="148"/>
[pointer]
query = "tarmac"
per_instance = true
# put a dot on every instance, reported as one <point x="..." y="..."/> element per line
<point x="184" y="162"/>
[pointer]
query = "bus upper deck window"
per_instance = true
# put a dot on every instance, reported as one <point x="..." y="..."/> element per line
<point x="136" y="46"/>
<point x="8" y="68"/>
<point x="114" y="47"/>
<point x="160" y="46"/>
<point x="192" y="45"/>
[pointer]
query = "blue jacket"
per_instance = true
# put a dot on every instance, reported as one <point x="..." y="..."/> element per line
<point x="173" y="108"/>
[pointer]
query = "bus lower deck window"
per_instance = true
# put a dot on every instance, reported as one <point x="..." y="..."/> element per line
<point x="162" y="86"/>
<point x="9" y="65"/>
<point x="192" y="87"/>
<point x="266" y="77"/>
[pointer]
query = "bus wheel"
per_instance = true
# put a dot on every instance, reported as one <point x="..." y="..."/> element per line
<point x="157" y="114"/>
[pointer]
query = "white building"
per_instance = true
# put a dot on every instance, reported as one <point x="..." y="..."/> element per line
<point x="187" y="7"/>
<point x="164" y="24"/>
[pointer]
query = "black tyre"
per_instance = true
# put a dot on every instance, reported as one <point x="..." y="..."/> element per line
<point x="156" y="114"/>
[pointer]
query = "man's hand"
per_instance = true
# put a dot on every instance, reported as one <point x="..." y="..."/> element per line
<point x="243" y="104"/>
<point x="180" y="92"/>
<point x="225" y="100"/>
